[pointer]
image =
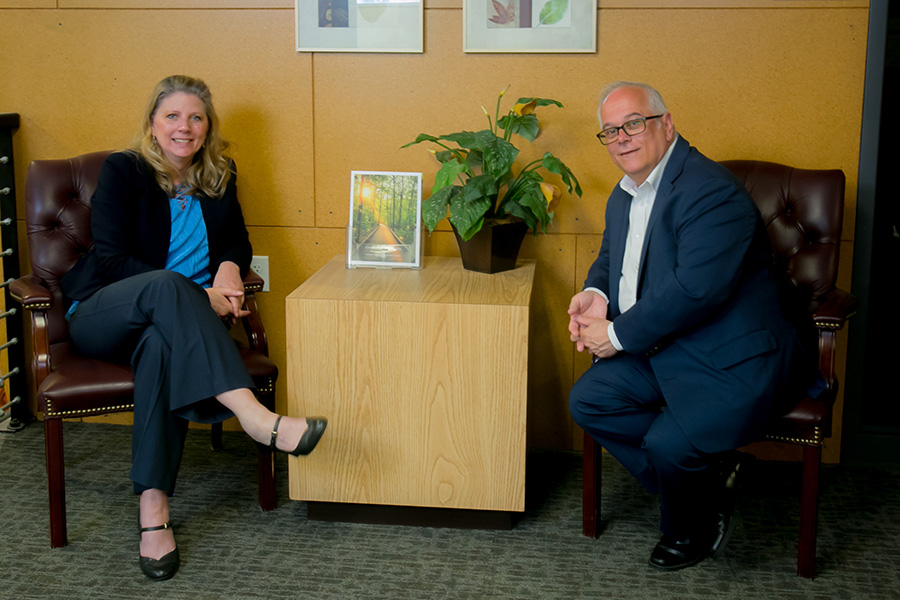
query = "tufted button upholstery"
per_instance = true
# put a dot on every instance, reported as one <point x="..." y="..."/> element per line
<point x="58" y="225"/>
<point x="803" y="212"/>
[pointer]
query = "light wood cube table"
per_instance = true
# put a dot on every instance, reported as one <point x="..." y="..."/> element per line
<point x="422" y="374"/>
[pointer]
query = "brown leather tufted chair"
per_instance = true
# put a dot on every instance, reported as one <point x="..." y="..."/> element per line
<point x="58" y="221"/>
<point x="803" y="211"/>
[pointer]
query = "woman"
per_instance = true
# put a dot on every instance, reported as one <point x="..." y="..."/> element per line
<point x="170" y="249"/>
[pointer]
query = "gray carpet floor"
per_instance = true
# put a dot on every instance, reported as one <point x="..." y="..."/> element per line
<point x="230" y="549"/>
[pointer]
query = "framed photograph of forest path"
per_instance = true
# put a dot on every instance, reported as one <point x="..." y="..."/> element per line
<point x="359" y="25"/>
<point x="385" y="219"/>
<point x="530" y="25"/>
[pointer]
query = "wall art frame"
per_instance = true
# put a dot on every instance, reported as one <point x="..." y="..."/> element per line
<point x="385" y="225"/>
<point x="359" y="25"/>
<point x="544" y="26"/>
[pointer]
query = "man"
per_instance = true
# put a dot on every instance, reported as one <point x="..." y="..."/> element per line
<point x="681" y="312"/>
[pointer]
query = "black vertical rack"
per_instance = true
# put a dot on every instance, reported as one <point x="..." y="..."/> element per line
<point x="16" y="409"/>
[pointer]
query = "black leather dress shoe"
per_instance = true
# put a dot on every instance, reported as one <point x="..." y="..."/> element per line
<point x="727" y="515"/>
<point x="162" y="568"/>
<point x="671" y="554"/>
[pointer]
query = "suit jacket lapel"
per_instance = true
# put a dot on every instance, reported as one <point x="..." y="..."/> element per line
<point x="663" y="194"/>
<point x="617" y="246"/>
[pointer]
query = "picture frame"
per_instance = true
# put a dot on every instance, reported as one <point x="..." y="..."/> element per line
<point x="385" y="225"/>
<point x="544" y="26"/>
<point x="359" y="25"/>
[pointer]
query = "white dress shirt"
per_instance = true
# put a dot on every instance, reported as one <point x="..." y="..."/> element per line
<point x="644" y="196"/>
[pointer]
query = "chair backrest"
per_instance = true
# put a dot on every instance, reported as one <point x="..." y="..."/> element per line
<point x="58" y="223"/>
<point x="803" y="210"/>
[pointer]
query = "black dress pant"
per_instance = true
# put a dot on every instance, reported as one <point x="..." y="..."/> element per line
<point x="618" y="401"/>
<point x="181" y="356"/>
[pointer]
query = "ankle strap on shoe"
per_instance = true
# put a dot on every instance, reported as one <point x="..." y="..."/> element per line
<point x="274" y="433"/>
<point x="157" y="528"/>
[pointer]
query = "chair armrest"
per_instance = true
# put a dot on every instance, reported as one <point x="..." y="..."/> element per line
<point x="253" y="325"/>
<point x="829" y="317"/>
<point x="253" y="282"/>
<point x="37" y="300"/>
<point x="834" y="309"/>
<point x="30" y="292"/>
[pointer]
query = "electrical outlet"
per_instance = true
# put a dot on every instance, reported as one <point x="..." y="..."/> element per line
<point x="260" y="265"/>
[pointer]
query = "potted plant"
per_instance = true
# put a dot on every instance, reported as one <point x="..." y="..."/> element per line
<point x="479" y="186"/>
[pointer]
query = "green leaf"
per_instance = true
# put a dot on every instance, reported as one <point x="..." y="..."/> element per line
<point x="473" y="228"/>
<point x="519" y="200"/>
<point x="422" y="137"/>
<point x="474" y="159"/>
<point x="498" y="154"/>
<point x="525" y="125"/>
<point x="554" y="165"/>
<point x="533" y="199"/>
<point x="540" y="102"/>
<point x="434" y="208"/>
<point x="517" y="210"/>
<point x="448" y="173"/>
<point x="553" y="12"/>
<point x="468" y="208"/>
<point x="466" y="139"/>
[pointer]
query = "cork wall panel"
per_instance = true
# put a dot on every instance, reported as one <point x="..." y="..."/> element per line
<point x="369" y="105"/>
<point x="733" y="3"/>
<point x="763" y="84"/>
<point x="180" y="4"/>
<point x="27" y="3"/>
<point x="731" y="83"/>
<point x="84" y="84"/>
<point x="295" y="253"/>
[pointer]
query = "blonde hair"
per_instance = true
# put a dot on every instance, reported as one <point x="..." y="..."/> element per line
<point x="211" y="168"/>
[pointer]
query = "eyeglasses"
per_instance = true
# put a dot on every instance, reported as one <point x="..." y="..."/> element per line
<point x="631" y="128"/>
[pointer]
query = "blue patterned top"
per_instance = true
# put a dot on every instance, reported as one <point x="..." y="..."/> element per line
<point x="188" y="244"/>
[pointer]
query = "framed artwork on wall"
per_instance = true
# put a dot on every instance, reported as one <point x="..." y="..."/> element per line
<point x="359" y="25"/>
<point x="385" y="227"/>
<point x="530" y="25"/>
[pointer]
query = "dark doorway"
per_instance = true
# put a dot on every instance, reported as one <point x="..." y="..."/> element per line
<point x="871" y="431"/>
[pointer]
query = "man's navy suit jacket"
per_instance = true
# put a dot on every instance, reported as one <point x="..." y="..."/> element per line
<point x="707" y="313"/>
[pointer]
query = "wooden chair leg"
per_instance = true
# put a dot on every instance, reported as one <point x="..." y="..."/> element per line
<point x="266" y="479"/>
<point x="56" y="481"/>
<point x="809" y="512"/>
<point x="215" y="436"/>
<point x="590" y="489"/>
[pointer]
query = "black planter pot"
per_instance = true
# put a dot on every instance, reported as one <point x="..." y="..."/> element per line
<point x="494" y="248"/>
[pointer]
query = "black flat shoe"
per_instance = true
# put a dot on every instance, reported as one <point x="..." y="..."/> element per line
<point x="671" y="554"/>
<point x="163" y="568"/>
<point x="315" y="427"/>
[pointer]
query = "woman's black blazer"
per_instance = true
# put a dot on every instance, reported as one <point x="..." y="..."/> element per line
<point x="131" y="224"/>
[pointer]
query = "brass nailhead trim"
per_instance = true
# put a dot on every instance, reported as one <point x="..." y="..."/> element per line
<point x="815" y="441"/>
<point x="270" y="388"/>
<point x="50" y="412"/>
